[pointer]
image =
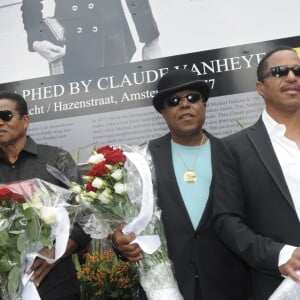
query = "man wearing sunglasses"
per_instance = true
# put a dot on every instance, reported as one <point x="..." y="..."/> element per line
<point x="257" y="187"/>
<point x="184" y="162"/>
<point x="20" y="159"/>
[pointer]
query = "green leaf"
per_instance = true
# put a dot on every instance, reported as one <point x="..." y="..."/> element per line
<point x="32" y="230"/>
<point x="115" y="294"/>
<point x="4" y="238"/>
<point x="21" y="241"/>
<point x="14" y="254"/>
<point x="17" y="225"/>
<point x="5" y="264"/>
<point x="76" y="261"/>
<point x="13" y="282"/>
<point x="12" y="242"/>
<point x="29" y="213"/>
<point x="46" y="234"/>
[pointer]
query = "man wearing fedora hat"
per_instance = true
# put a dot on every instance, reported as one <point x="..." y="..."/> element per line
<point x="184" y="160"/>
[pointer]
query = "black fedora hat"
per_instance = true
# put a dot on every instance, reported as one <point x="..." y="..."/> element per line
<point x="175" y="81"/>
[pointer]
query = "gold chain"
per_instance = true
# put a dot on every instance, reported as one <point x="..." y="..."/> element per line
<point x="190" y="175"/>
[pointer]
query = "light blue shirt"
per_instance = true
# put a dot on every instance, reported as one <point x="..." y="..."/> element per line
<point x="198" y="159"/>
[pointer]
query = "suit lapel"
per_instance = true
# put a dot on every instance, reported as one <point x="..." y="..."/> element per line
<point x="260" y="139"/>
<point x="163" y="156"/>
<point x="207" y="213"/>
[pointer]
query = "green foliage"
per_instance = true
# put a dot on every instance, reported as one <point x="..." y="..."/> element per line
<point x="22" y="227"/>
<point x="104" y="275"/>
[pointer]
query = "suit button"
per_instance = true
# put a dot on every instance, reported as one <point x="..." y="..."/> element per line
<point x="195" y="236"/>
<point x="95" y="28"/>
<point x="74" y="7"/>
<point x="91" y="5"/>
<point x="79" y="29"/>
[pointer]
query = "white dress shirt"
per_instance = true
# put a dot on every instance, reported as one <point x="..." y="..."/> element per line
<point x="288" y="155"/>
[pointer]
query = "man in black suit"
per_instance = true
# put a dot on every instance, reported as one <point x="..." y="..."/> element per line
<point x="257" y="206"/>
<point x="96" y="32"/>
<point x="20" y="159"/>
<point x="184" y="162"/>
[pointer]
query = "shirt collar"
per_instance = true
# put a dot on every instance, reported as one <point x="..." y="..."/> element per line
<point x="273" y="128"/>
<point x="30" y="147"/>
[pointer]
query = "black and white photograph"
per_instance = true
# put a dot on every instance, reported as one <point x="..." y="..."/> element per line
<point x="44" y="38"/>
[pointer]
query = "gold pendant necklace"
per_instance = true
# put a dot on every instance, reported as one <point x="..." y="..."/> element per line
<point x="190" y="175"/>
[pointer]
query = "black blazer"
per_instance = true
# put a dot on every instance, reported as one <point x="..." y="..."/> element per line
<point x="254" y="211"/>
<point x="222" y="275"/>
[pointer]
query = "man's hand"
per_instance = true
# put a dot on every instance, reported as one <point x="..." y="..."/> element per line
<point x="290" y="267"/>
<point x="122" y="243"/>
<point x="48" y="50"/>
<point x="40" y="267"/>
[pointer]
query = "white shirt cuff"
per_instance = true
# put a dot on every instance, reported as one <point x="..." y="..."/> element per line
<point x="285" y="254"/>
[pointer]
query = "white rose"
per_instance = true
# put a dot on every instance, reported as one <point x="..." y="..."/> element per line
<point x="105" y="197"/>
<point x="96" y="158"/>
<point x="91" y="194"/>
<point x="25" y="206"/>
<point x="36" y="202"/>
<point x="75" y="188"/>
<point x="109" y="167"/>
<point x="84" y="200"/>
<point x="77" y="198"/>
<point x="87" y="178"/>
<point x="120" y="188"/>
<point x="47" y="214"/>
<point x="98" y="183"/>
<point x="117" y="174"/>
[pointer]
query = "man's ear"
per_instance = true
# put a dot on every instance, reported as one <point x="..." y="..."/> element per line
<point x="260" y="88"/>
<point x="27" y="120"/>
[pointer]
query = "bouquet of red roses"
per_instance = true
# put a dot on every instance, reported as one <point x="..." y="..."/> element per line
<point x="31" y="214"/>
<point x="118" y="188"/>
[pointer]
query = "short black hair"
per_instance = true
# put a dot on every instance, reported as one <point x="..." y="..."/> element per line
<point x="263" y="64"/>
<point x="21" y="105"/>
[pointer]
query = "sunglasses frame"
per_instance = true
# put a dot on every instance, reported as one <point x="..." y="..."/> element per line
<point x="281" y="71"/>
<point x="174" y="101"/>
<point x="6" y="115"/>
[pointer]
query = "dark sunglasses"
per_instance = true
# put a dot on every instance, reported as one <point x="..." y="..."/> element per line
<point x="175" y="100"/>
<point x="6" y="115"/>
<point x="280" y="71"/>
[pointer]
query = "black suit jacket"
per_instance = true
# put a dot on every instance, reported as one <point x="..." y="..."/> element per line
<point x="254" y="210"/>
<point x="195" y="252"/>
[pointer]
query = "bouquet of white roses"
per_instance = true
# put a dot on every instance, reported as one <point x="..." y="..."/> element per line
<point x="118" y="188"/>
<point x="32" y="216"/>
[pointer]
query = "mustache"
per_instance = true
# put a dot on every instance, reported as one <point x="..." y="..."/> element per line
<point x="293" y="86"/>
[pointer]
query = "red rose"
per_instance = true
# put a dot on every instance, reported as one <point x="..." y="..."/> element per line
<point x="98" y="169"/>
<point x="115" y="156"/>
<point x="5" y="194"/>
<point x="104" y="150"/>
<point x="18" y="198"/>
<point x="89" y="187"/>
